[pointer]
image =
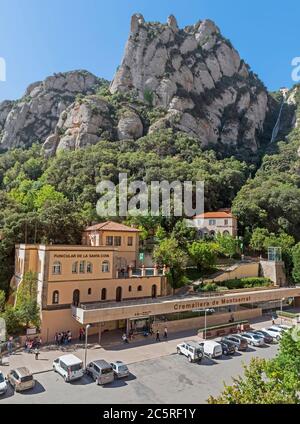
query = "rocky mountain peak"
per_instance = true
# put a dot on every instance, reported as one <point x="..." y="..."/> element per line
<point x="34" y="117"/>
<point x="198" y="77"/>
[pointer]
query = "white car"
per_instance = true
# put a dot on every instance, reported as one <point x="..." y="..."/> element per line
<point x="3" y="384"/>
<point x="69" y="367"/>
<point x="284" y="327"/>
<point x="253" y="339"/>
<point x="274" y="332"/>
<point x="192" y="350"/>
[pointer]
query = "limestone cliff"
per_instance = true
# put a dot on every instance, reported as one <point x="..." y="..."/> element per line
<point x="198" y="77"/>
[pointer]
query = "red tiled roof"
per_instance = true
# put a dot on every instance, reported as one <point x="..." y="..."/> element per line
<point x="218" y="214"/>
<point x="111" y="226"/>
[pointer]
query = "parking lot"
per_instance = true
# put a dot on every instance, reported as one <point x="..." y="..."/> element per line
<point x="168" y="379"/>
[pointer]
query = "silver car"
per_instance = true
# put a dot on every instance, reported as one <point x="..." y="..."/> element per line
<point x="100" y="371"/>
<point x="253" y="339"/>
<point x="120" y="369"/>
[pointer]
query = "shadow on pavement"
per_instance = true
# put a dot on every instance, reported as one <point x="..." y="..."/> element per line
<point x="38" y="388"/>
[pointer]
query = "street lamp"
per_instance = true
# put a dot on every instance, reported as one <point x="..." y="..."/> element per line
<point x="281" y="302"/>
<point x="86" y="340"/>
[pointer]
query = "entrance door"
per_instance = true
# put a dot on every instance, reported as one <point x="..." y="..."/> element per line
<point x="119" y="294"/>
<point x="154" y="290"/>
<point x="76" y="297"/>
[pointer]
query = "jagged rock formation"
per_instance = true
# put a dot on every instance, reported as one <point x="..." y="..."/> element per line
<point x="191" y="80"/>
<point x="198" y="77"/>
<point x="83" y="123"/>
<point x="34" y="117"/>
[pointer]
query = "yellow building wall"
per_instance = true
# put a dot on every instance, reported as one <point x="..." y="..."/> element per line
<point x="241" y="271"/>
<point x="68" y="258"/>
<point x="66" y="289"/>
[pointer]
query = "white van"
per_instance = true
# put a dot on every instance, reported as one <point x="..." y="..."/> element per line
<point x="212" y="349"/>
<point x="69" y="366"/>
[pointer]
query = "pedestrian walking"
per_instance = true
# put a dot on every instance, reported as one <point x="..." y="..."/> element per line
<point x="273" y="320"/>
<point x="157" y="336"/>
<point x="238" y="327"/>
<point x="165" y="333"/>
<point x="36" y="353"/>
<point x="125" y="338"/>
<point x="242" y="327"/>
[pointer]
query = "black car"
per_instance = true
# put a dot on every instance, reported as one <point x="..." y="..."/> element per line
<point x="228" y="347"/>
<point x="267" y="338"/>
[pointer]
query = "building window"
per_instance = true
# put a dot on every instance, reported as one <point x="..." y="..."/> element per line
<point x="55" y="298"/>
<point x="225" y="221"/>
<point x="89" y="268"/>
<point x="82" y="267"/>
<point x="105" y="266"/>
<point x="117" y="241"/>
<point x="103" y="294"/>
<point x="130" y="288"/>
<point x="212" y="222"/>
<point x="226" y="233"/>
<point x="76" y="297"/>
<point x="140" y="288"/>
<point x="75" y="268"/>
<point x="109" y="241"/>
<point x="56" y="268"/>
<point x="89" y="291"/>
<point x="130" y="241"/>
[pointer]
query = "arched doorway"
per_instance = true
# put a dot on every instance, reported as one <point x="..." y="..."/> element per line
<point x="119" y="294"/>
<point x="76" y="297"/>
<point x="154" y="290"/>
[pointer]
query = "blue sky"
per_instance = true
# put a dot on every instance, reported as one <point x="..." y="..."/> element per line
<point x="40" y="37"/>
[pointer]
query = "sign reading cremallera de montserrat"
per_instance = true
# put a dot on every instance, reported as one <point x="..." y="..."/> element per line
<point x="207" y="303"/>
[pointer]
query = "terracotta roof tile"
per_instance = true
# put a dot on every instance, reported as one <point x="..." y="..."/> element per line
<point x="111" y="226"/>
<point x="218" y="214"/>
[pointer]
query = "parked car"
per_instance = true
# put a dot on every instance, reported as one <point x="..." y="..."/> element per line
<point x="21" y="379"/>
<point x="228" y="347"/>
<point x="69" y="367"/>
<point x="267" y="338"/>
<point x="192" y="350"/>
<point x="240" y="343"/>
<point x="284" y="326"/>
<point x="3" y="385"/>
<point x="253" y="339"/>
<point x="274" y="332"/>
<point x="101" y="371"/>
<point x="120" y="369"/>
<point x="211" y="348"/>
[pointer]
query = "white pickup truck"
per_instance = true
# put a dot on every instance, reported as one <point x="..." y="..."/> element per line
<point x="192" y="350"/>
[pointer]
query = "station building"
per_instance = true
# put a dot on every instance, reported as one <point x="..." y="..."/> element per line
<point x="102" y="282"/>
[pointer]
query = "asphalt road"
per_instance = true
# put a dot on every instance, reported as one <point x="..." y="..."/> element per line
<point x="169" y="379"/>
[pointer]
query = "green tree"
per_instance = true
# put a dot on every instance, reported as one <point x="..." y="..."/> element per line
<point x="169" y="253"/>
<point x="2" y="300"/>
<point x="203" y="254"/>
<point x="296" y="263"/>
<point x="228" y="245"/>
<point x="259" y="385"/>
<point x="26" y="305"/>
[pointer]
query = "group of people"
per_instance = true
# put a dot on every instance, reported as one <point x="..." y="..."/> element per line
<point x="146" y="332"/>
<point x="63" y="338"/>
<point x="31" y="345"/>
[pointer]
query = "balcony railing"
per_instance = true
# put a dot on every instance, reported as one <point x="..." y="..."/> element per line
<point x="141" y="272"/>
